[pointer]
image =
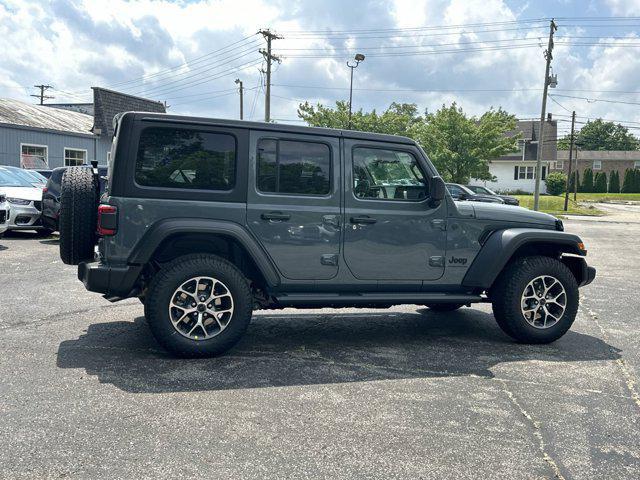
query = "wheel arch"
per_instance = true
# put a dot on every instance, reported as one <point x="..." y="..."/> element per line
<point x="171" y="238"/>
<point x="503" y="246"/>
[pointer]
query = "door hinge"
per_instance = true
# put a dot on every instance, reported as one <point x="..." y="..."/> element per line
<point x="436" y="261"/>
<point x="439" y="223"/>
<point x="330" y="259"/>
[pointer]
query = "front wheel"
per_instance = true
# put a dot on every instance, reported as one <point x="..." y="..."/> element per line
<point x="198" y="306"/>
<point x="535" y="299"/>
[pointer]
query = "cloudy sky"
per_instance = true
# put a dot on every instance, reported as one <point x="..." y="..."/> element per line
<point x="479" y="53"/>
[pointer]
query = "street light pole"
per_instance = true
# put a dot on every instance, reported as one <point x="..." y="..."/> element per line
<point x="241" y="90"/>
<point x="358" y="58"/>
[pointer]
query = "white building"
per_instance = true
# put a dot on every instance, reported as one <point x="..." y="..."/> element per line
<point x="517" y="171"/>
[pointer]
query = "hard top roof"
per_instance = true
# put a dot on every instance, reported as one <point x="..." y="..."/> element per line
<point x="276" y="127"/>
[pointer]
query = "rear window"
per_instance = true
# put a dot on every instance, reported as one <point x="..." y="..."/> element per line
<point x="187" y="159"/>
<point x="295" y="168"/>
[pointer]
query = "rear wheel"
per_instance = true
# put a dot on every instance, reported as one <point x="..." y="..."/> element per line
<point x="198" y="306"/>
<point x="444" y="307"/>
<point x="535" y="299"/>
<point x="78" y="215"/>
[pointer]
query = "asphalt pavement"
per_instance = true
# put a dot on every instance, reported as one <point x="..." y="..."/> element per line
<point x="85" y="392"/>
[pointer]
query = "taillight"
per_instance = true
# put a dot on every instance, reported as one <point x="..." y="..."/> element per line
<point x="45" y="189"/>
<point x="107" y="220"/>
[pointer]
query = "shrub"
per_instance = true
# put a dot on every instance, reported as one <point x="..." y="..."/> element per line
<point x="587" y="181"/>
<point x="517" y="191"/>
<point x="600" y="183"/>
<point x="614" y="182"/>
<point x="628" y="184"/>
<point x="556" y="183"/>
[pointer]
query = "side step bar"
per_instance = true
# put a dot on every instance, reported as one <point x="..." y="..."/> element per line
<point x="356" y="299"/>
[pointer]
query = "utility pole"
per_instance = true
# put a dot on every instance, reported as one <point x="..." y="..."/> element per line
<point x="269" y="57"/>
<point x="548" y="54"/>
<point x="240" y="89"/>
<point x="566" y="193"/>
<point x="41" y="95"/>
<point x="575" y="184"/>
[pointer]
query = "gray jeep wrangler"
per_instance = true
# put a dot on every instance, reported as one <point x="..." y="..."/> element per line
<point x="205" y="220"/>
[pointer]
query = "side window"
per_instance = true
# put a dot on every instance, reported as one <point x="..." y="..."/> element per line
<point x="294" y="168"/>
<point x="454" y="190"/>
<point x="184" y="158"/>
<point x="387" y="175"/>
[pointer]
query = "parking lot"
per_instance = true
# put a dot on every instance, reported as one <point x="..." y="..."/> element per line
<point x="85" y="391"/>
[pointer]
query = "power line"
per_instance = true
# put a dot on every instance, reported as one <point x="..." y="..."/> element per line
<point x="429" y="52"/>
<point x="198" y="73"/>
<point x="431" y="27"/>
<point x="595" y="100"/>
<point x="191" y="62"/>
<point x="198" y="81"/>
<point x="360" y="47"/>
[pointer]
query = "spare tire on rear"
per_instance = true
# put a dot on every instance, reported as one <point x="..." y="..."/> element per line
<point x="78" y="215"/>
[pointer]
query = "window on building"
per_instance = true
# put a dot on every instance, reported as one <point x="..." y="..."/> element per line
<point x="294" y="168"/>
<point x="636" y="164"/>
<point x="597" y="165"/>
<point x="74" y="157"/>
<point x="184" y="158"/>
<point x="528" y="172"/>
<point x="559" y="165"/>
<point x="34" y="156"/>
<point x="387" y="175"/>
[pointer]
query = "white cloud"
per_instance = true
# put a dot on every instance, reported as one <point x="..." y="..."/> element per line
<point x="624" y="8"/>
<point x="74" y="45"/>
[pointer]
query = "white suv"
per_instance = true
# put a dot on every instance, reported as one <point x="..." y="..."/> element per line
<point x="4" y="214"/>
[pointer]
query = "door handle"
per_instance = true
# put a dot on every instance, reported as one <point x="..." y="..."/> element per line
<point x="363" y="220"/>
<point x="275" y="216"/>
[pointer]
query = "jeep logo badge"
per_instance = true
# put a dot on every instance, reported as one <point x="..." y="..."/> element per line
<point x="457" y="260"/>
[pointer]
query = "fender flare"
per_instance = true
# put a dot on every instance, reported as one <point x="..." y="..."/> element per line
<point x="160" y="231"/>
<point x="501" y="245"/>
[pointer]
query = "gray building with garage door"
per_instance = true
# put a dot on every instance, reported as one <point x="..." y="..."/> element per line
<point x="50" y="136"/>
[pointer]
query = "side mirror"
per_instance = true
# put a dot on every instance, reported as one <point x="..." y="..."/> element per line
<point x="437" y="189"/>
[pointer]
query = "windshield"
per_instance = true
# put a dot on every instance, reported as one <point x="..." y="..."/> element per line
<point x="482" y="190"/>
<point x="26" y="175"/>
<point x="465" y="189"/>
<point x="37" y="176"/>
<point x="9" y="179"/>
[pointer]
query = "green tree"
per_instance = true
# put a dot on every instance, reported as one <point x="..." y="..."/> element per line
<point x="395" y="120"/>
<point x="614" y="182"/>
<point x="461" y="146"/>
<point x="600" y="183"/>
<point x="587" y="181"/>
<point x="628" y="183"/>
<point x="601" y="135"/>
<point x="556" y="183"/>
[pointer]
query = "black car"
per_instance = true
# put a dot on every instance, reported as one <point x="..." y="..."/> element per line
<point x="477" y="189"/>
<point x="51" y="195"/>
<point x="460" y="192"/>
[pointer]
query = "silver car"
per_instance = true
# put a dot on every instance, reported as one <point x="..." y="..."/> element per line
<point x="4" y="213"/>
<point x="24" y="200"/>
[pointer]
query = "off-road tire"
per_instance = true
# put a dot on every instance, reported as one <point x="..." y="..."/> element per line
<point x="444" y="307"/>
<point x="174" y="274"/>
<point x="78" y="215"/>
<point x="506" y="296"/>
